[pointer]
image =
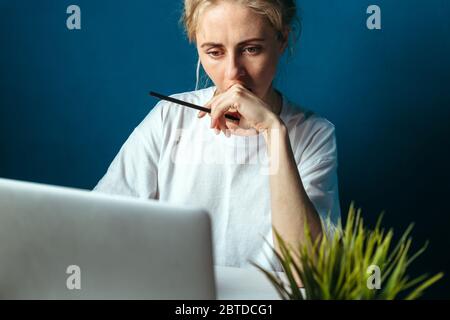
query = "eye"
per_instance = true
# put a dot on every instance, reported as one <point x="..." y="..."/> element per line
<point x="253" y="50"/>
<point x="214" y="54"/>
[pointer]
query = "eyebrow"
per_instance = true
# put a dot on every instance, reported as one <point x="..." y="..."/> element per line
<point x="215" y="44"/>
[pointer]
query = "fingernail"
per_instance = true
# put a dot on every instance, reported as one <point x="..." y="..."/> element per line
<point x="217" y="131"/>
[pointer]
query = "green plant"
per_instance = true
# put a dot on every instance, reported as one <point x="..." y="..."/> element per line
<point x="336" y="267"/>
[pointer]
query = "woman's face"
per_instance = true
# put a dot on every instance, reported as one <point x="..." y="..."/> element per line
<point x="237" y="45"/>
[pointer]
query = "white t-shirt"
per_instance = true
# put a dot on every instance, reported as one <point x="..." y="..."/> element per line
<point x="175" y="157"/>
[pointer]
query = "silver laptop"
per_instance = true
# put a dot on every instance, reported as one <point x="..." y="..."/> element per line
<point x="63" y="243"/>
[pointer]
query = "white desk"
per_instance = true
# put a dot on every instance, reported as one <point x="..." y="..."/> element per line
<point x="245" y="284"/>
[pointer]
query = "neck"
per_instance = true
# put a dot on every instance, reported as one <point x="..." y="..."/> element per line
<point x="274" y="100"/>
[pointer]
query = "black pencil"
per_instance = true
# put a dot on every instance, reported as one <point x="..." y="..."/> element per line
<point x="188" y="104"/>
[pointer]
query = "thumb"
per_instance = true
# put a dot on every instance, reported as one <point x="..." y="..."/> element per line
<point x="201" y="114"/>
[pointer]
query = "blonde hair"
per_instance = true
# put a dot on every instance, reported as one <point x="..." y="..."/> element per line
<point x="281" y="14"/>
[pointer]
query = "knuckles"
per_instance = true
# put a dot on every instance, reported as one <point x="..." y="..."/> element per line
<point x="237" y="92"/>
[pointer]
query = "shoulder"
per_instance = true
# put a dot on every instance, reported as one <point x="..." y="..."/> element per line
<point x="303" y="122"/>
<point x="195" y="96"/>
<point x="312" y="135"/>
<point x="170" y="109"/>
<point x="168" y="114"/>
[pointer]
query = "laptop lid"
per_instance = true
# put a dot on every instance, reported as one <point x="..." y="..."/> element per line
<point x="63" y="243"/>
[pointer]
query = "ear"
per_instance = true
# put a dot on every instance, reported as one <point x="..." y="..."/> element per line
<point x="284" y="39"/>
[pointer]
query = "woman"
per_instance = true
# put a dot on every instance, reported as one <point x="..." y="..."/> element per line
<point x="275" y="167"/>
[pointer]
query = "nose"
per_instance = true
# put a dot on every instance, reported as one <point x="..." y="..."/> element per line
<point x="234" y="70"/>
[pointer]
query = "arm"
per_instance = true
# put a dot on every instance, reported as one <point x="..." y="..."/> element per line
<point x="303" y="181"/>
<point x="134" y="170"/>
<point x="290" y="204"/>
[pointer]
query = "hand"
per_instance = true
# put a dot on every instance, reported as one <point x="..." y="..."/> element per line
<point x="255" y="115"/>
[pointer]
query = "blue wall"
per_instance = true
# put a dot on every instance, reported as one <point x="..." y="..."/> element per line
<point x="69" y="99"/>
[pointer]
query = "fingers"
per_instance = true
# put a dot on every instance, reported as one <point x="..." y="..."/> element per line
<point x="208" y="105"/>
<point x="201" y="114"/>
<point x="220" y="105"/>
<point x="223" y="127"/>
<point x="219" y="125"/>
<point x="219" y="108"/>
<point x="218" y="114"/>
<point x="217" y="118"/>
